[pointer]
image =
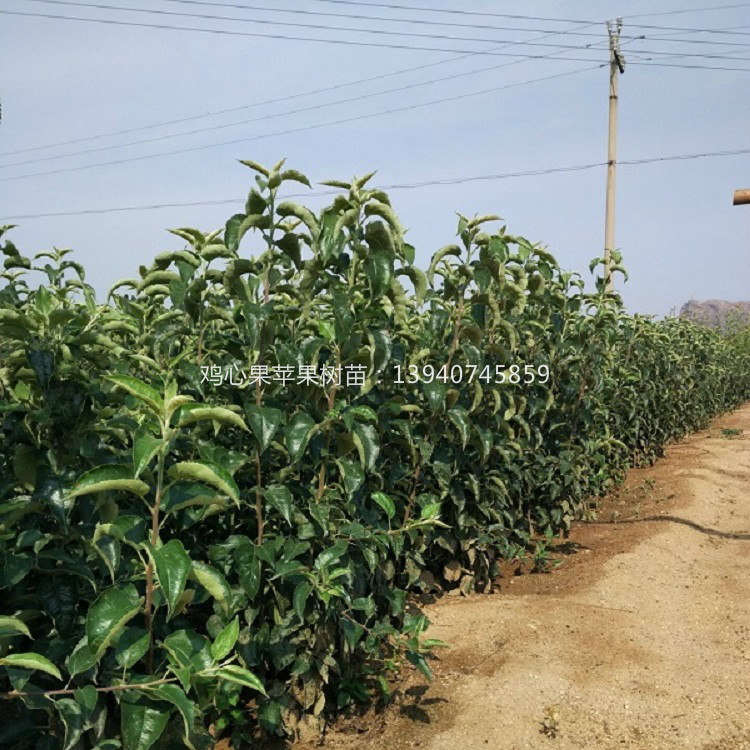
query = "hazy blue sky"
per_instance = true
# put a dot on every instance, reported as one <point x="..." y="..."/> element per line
<point x="682" y="238"/>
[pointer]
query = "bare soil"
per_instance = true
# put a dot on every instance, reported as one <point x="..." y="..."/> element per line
<point x="640" y="639"/>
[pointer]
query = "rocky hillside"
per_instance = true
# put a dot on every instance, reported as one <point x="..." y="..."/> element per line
<point x="716" y="312"/>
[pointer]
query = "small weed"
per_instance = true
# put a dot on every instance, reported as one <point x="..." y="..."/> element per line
<point x="646" y="487"/>
<point x="543" y="561"/>
<point x="730" y="432"/>
<point x="551" y="722"/>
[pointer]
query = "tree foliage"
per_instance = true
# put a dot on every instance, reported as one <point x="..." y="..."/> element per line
<point x="178" y="554"/>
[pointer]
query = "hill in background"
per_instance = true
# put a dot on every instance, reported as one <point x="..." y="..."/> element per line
<point x="716" y="312"/>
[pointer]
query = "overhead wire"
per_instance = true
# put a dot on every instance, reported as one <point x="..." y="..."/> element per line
<point x="277" y="100"/>
<point x="525" y="17"/>
<point x="345" y="42"/>
<point x="402" y="186"/>
<point x="326" y="27"/>
<point x="313" y="107"/>
<point x="305" y="128"/>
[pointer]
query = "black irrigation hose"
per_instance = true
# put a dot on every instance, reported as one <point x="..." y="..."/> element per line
<point x="743" y="535"/>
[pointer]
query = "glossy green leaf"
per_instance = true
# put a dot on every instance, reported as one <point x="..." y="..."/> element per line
<point x="142" y="391"/>
<point x="145" y="447"/>
<point x="224" y="643"/>
<point x="174" y="695"/>
<point x="366" y="439"/>
<point x="131" y="646"/>
<point x="386" y="503"/>
<point x="71" y="715"/>
<point x="241" y="676"/>
<point x="12" y="625"/>
<point x="142" y="724"/>
<point x="213" y="581"/>
<point x="195" y="413"/>
<point x="31" y="660"/>
<point x="264" y="421"/>
<point x="109" y="477"/>
<point x="109" y="614"/>
<point x="206" y="473"/>
<point x="297" y="433"/>
<point x="280" y="498"/>
<point x="172" y="568"/>
<point x="301" y="594"/>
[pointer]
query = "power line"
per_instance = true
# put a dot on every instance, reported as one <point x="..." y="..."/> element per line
<point x="326" y="27"/>
<point x="277" y="100"/>
<point x="400" y="186"/>
<point x="304" y="128"/>
<point x="309" y="108"/>
<point x="230" y="32"/>
<point x="298" y="110"/>
<point x="575" y="31"/>
<point x="454" y="11"/>
<point x="350" y="42"/>
<point x="687" y="10"/>
<point x="317" y="27"/>
<point x="392" y="19"/>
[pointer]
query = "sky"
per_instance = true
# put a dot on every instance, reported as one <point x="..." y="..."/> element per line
<point x="680" y="235"/>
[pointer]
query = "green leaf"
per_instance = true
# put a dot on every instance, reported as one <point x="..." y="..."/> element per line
<point x="418" y="279"/>
<point x="353" y="631"/>
<point x="109" y="614"/>
<point x="172" y="568"/>
<point x="131" y="646"/>
<point x="235" y="673"/>
<point x="293" y="174"/>
<point x="248" y="566"/>
<point x="108" y="477"/>
<point x="327" y="330"/>
<point x="453" y="250"/>
<point x="352" y="474"/>
<point x="30" y="660"/>
<point x="420" y="663"/>
<point x="379" y="270"/>
<point x="192" y="413"/>
<point x="206" y="473"/>
<point x="269" y="716"/>
<point x="214" y="582"/>
<point x="145" y="447"/>
<point x="143" y="392"/>
<point x="435" y="392"/>
<point x="10" y="625"/>
<point x="460" y="419"/>
<point x="301" y="593"/>
<point x="386" y="503"/>
<point x="225" y="641"/>
<point x="142" y="724"/>
<point x="297" y="434"/>
<point x="71" y="715"/>
<point x="86" y="697"/>
<point x="281" y="499"/>
<point x="264" y="421"/>
<point x="81" y="659"/>
<point x="172" y="694"/>
<point x="430" y="511"/>
<point x="255" y="166"/>
<point x="366" y="439"/>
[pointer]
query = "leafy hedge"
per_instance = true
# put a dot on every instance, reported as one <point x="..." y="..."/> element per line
<point x="179" y="554"/>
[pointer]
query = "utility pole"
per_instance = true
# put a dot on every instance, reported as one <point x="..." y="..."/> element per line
<point x="616" y="66"/>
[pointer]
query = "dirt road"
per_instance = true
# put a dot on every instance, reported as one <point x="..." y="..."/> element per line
<point x="641" y="639"/>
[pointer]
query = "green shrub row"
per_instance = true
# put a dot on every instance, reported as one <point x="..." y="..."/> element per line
<point x="179" y="553"/>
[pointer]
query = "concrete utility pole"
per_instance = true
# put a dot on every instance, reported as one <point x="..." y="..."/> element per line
<point x="616" y="66"/>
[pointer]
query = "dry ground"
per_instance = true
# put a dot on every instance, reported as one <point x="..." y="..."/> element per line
<point x="641" y="639"/>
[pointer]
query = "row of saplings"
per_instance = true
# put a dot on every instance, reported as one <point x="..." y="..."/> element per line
<point x="219" y="486"/>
